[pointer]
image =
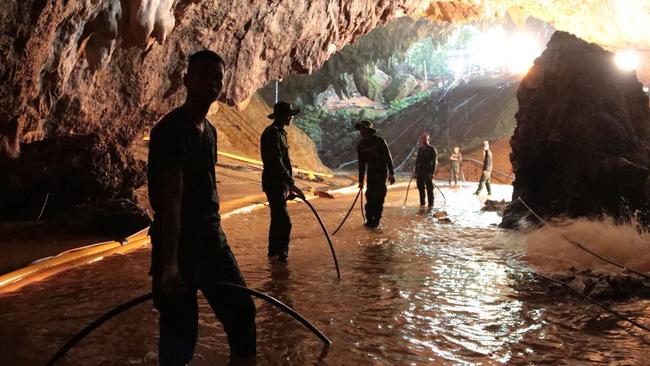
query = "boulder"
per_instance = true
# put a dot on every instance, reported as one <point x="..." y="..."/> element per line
<point x="580" y="148"/>
<point x="400" y="87"/>
<point x="371" y="82"/>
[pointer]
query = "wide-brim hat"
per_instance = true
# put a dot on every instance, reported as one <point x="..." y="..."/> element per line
<point x="365" y="124"/>
<point x="283" y="109"/>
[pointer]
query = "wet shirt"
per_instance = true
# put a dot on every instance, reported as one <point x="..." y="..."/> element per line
<point x="374" y="156"/>
<point x="277" y="173"/>
<point x="487" y="161"/>
<point x="426" y="160"/>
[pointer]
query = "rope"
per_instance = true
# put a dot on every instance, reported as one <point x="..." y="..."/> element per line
<point x="347" y="214"/>
<point x="143" y="298"/>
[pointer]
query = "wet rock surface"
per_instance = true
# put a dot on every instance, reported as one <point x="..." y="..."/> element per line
<point x="606" y="286"/>
<point x="58" y="173"/>
<point x="580" y="146"/>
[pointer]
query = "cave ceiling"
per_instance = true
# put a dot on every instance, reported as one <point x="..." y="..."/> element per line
<point x="114" y="66"/>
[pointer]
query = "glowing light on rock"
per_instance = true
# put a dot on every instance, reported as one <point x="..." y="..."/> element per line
<point x="627" y="60"/>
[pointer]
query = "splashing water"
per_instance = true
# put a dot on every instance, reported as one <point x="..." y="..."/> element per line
<point x="547" y="250"/>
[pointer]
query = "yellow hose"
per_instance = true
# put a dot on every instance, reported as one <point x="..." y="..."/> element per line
<point x="257" y="162"/>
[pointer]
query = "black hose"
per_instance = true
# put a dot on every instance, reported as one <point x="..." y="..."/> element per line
<point x="407" y="191"/>
<point x="440" y="190"/>
<point x="94" y="325"/>
<point x="347" y="214"/>
<point x="140" y="299"/>
<point x="327" y="235"/>
<point x="363" y="215"/>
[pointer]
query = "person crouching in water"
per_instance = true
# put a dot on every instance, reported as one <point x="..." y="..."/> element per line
<point x="425" y="167"/>
<point x="374" y="156"/>
<point x="277" y="180"/>
<point x="454" y="165"/>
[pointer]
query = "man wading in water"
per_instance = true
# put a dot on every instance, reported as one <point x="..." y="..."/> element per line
<point x="425" y="167"/>
<point x="189" y="249"/>
<point x="487" y="169"/>
<point x="277" y="180"/>
<point x="454" y="165"/>
<point x="374" y="155"/>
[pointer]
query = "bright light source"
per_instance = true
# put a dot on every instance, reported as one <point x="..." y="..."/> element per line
<point x="627" y="60"/>
<point x="524" y="49"/>
<point x="645" y="89"/>
<point x="457" y="66"/>
<point x="497" y="50"/>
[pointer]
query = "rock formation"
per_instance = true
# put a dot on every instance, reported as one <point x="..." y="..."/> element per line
<point x="400" y="87"/>
<point x="357" y="59"/>
<point x="112" y="67"/>
<point x="581" y="143"/>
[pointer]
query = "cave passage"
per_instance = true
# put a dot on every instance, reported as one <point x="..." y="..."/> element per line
<point x="513" y="275"/>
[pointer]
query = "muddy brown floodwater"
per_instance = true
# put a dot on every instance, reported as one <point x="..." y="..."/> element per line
<point x="414" y="292"/>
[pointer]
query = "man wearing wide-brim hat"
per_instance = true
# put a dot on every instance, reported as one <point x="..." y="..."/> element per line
<point x="375" y="158"/>
<point x="277" y="178"/>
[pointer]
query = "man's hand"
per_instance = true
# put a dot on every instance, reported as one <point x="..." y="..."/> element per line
<point x="296" y="191"/>
<point x="391" y="179"/>
<point x="171" y="283"/>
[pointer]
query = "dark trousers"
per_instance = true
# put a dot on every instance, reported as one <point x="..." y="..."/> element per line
<point x="485" y="179"/>
<point x="280" y="228"/>
<point x="425" y="181"/>
<point x="375" y="195"/>
<point x="234" y="309"/>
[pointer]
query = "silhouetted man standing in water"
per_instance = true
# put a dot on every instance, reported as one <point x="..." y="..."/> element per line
<point x="487" y="169"/>
<point x="277" y="180"/>
<point x="425" y="167"/>
<point x="189" y="249"/>
<point x="373" y="155"/>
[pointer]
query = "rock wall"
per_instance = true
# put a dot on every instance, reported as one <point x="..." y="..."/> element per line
<point x="580" y="147"/>
<point x="112" y="67"/>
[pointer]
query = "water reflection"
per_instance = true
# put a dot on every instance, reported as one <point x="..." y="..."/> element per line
<point x="413" y="292"/>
